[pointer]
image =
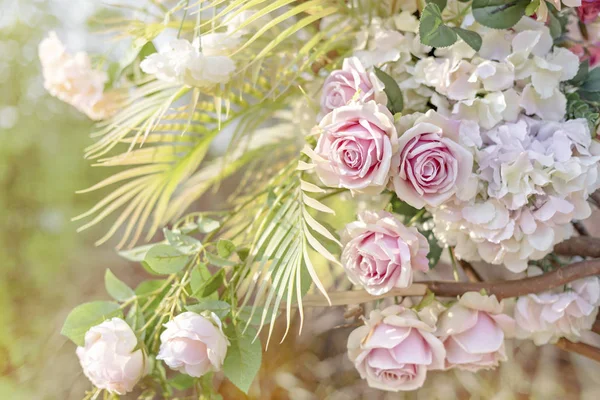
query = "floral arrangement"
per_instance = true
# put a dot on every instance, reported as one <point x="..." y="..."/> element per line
<point x="365" y="140"/>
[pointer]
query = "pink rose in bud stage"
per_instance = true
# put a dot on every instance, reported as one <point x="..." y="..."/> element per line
<point x="193" y="344"/>
<point x="380" y="253"/>
<point x="342" y="85"/>
<point x="395" y="349"/>
<point x="108" y="358"/>
<point x="355" y="148"/>
<point x="430" y="165"/>
<point x="473" y="332"/>
<point x="588" y="11"/>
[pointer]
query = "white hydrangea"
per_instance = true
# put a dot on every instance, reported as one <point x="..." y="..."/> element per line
<point x="517" y="68"/>
<point x="183" y="62"/>
<point x="72" y="79"/>
<point x="534" y="178"/>
<point x="549" y="316"/>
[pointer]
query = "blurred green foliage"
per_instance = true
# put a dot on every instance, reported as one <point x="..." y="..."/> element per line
<point x="41" y="166"/>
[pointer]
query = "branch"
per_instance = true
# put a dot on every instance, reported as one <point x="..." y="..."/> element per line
<point x="583" y="246"/>
<point x="580" y="348"/>
<point x="502" y="289"/>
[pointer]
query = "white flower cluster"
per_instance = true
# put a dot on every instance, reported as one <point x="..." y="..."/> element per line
<point x="549" y="316"/>
<point x="392" y="44"/>
<point x="534" y="178"/>
<point x="203" y="63"/>
<point x="72" y="79"/>
<point x="514" y="70"/>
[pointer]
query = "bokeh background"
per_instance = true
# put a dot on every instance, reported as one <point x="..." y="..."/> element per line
<point x="46" y="268"/>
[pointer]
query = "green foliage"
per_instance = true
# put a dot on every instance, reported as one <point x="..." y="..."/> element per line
<point x="225" y="248"/>
<point x="584" y="100"/>
<point x="165" y="259"/>
<point x="116" y="288"/>
<point x="244" y="357"/>
<point x="392" y="90"/>
<point x="87" y="315"/>
<point x="220" y="308"/>
<point x="432" y="29"/>
<point x="471" y="38"/>
<point x="440" y="3"/>
<point x="181" y="382"/>
<point x="435" y="250"/>
<point x="499" y="14"/>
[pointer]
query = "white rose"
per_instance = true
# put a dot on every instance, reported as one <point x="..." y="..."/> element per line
<point x="108" y="359"/>
<point x="193" y="344"/>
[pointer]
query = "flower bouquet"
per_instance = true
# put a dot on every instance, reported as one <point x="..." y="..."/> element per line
<point x="346" y="148"/>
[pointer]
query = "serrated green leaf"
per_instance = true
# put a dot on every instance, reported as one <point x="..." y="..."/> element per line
<point x="116" y="288"/>
<point x="432" y="30"/>
<point x="219" y="261"/>
<point x="225" y="248"/>
<point x="392" y="90"/>
<point x="165" y="259"/>
<point x="221" y="308"/>
<point x="87" y="315"/>
<point x="244" y="357"/>
<point x="440" y="3"/>
<point x="471" y="38"/>
<point x="499" y="14"/>
<point x="207" y="225"/>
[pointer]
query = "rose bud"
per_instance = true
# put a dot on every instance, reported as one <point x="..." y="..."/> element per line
<point x="193" y="344"/>
<point x="108" y="359"/>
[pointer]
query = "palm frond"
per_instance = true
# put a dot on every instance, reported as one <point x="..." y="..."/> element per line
<point x="279" y="265"/>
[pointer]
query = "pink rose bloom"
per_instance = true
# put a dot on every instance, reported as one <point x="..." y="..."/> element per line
<point x="591" y="52"/>
<point x="548" y="316"/>
<point x="588" y="11"/>
<point x="473" y="332"/>
<point x="431" y="165"/>
<point x="355" y="148"/>
<point x="342" y="85"/>
<point x="380" y="253"/>
<point x="395" y="349"/>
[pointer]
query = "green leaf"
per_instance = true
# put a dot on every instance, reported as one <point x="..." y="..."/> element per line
<point x="137" y="254"/>
<point x="425" y="301"/>
<point x="219" y="307"/>
<point x="116" y="288"/>
<point x="87" y="315"/>
<point x="432" y="29"/>
<point x="225" y="248"/>
<point x="592" y="82"/>
<point x="198" y="278"/>
<point x="435" y="250"/>
<point x="148" y="287"/>
<point x="219" y="261"/>
<point x="392" y="90"/>
<point x="185" y="244"/>
<point x="499" y="14"/>
<point x="532" y="7"/>
<point x="207" y="225"/>
<point x="471" y="38"/>
<point x="403" y="208"/>
<point x="135" y="319"/>
<point x="211" y="285"/>
<point x="165" y="259"/>
<point x="440" y="3"/>
<point x="582" y="74"/>
<point x="243" y="359"/>
<point x="181" y="382"/>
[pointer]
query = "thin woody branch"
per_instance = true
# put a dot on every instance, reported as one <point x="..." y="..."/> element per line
<point x="502" y="289"/>
<point x="580" y="348"/>
<point x="583" y="246"/>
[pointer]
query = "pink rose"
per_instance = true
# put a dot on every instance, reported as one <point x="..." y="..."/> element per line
<point x="380" y="253"/>
<point x="590" y="52"/>
<point x="342" y="85"/>
<point x="395" y="349"/>
<point x="588" y="11"/>
<point x="473" y="332"/>
<point x="430" y="165"/>
<point x="355" y="148"/>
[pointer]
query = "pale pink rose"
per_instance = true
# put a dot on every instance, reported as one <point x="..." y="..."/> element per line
<point x="395" y="349"/>
<point x="431" y="165"/>
<point x="473" y="332"/>
<point x="355" y="148"/>
<point x="380" y="253"/>
<point x="108" y="359"/>
<point x="193" y="344"/>
<point x="548" y="316"/>
<point x="342" y="85"/>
